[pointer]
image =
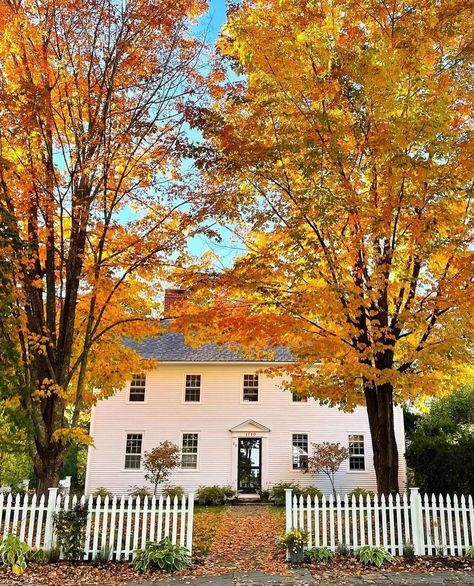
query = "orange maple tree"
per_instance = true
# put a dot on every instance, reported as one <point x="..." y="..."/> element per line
<point x="340" y="148"/>
<point x="92" y="96"/>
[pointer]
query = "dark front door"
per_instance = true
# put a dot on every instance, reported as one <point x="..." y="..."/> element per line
<point x="250" y="464"/>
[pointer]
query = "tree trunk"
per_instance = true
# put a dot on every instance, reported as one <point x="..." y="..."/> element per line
<point x="47" y="477"/>
<point x="47" y="464"/>
<point x="379" y="401"/>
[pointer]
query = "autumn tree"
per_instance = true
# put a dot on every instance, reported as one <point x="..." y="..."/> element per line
<point x="92" y="194"/>
<point x="160" y="462"/>
<point x="327" y="458"/>
<point x="340" y="149"/>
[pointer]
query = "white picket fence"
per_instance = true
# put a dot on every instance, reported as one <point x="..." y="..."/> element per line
<point x="432" y="525"/>
<point x="121" y="524"/>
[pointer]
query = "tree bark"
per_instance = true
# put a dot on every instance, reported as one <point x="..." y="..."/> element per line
<point x="47" y="475"/>
<point x="379" y="401"/>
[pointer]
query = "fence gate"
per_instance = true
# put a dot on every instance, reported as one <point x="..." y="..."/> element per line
<point x="433" y="525"/>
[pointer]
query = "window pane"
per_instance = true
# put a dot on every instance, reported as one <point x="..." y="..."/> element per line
<point x="133" y="450"/>
<point x="299" y="398"/>
<point x="193" y="388"/>
<point x="250" y="387"/>
<point x="357" y="452"/>
<point x="137" y="387"/>
<point x="189" y="450"/>
<point x="300" y="450"/>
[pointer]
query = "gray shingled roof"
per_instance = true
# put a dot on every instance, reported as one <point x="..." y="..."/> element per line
<point x="170" y="347"/>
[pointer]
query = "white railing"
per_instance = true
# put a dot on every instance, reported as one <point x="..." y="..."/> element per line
<point x="432" y="525"/>
<point x="120" y="524"/>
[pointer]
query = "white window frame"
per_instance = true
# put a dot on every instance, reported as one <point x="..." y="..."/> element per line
<point x="183" y="399"/>
<point x="242" y="400"/>
<point x="183" y="433"/>
<point x="360" y="471"/>
<point x="126" y="434"/>
<point x="290" y="441"/>
<point x="145" y="394"/>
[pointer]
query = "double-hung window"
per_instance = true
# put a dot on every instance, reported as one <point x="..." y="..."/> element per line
<point x="133" y="451"/>
<point x="300" y="450"/>
<point x="189" y="451"/>
<point x="356" y="452"/>
<point x="250" y="387"/>
<point x="192" y="392"/>
<point x="137" y="387"/>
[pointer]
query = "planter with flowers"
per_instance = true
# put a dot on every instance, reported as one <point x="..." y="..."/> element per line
<point x="294" y="541"/>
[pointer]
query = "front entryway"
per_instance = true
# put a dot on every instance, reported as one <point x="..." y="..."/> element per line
<point x="249" y="469"/>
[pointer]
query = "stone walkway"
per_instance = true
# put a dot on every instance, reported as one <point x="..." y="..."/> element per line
<point x="303" y="577"/>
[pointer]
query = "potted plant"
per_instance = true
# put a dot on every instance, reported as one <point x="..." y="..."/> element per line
<point x="294" y="541"/>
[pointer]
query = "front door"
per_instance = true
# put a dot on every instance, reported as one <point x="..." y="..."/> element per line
<point x="250" y="464"/>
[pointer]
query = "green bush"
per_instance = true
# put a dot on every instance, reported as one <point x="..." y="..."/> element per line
<point x="53" y="555"/>
<point x="173" y="491"/>
<point x="343" y="550"/>
<point x="102" y="492"/>
<point x="70" y="527"/>
<point x="104" y="555"/>
<point x="470" y="552"/>
<point x="373" y="556"/>
<point x="408" y="552"/>
<point x="311" y="491"/>
<point x="16" y="554"/>
<point x="277" y="492"/>
<point x="211" y="495"/>
<point x="141" y="491"/>
<point x="440" y="448"/>
<point x="162" y="556"/>
<point x="229" y="491"/>
<point x="322" y="555"/>
<point x="361" y="492"/>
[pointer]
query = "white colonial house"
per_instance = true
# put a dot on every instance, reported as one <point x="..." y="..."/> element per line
<point x="235" y="425"/>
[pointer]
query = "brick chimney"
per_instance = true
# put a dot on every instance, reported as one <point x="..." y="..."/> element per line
<point x="173" y="298"/>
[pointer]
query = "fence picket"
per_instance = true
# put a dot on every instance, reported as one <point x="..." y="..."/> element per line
<point x="471" y="518"/>
<point x="105" y="522"/>
<point x="113" y="518"/>
<point x="136" y="533"/>
<point x="383" y="508"/>
<point x="317" y="539"/>
<point x="361" y="520"/>
<point x="6" y="526"/>
<point x="301" y="513"/>
<point x="153" y="518"/>
<point x="377" y="520"/>
<point x="128" y="529"/>
<point x="347" y="527"/>
<point x="145" y="523"/>
<point x="119" y="546"/>
<point x="160" y="519"/>
<point x="436" y="524"/>
<point x="449" y="509"/>
<point x="406" y="519"/>
<point x="95" y="539"/>
<point x="308" y="522"/>
<point x="369" y="521"/>
<point x="465" y="526"/>
<point x="339" y="519"/>
<point x="398" y="510"/>
<point x="442" y="516"/>
<point x="167" y="516"/>
<point x="426" y="510"/>
<point x="331" y="523"/>
<point x="23" y="517"/>
<point x="354" y="523"/>
<point x="324" y="526"/>
<point x="182" y="527"/>
<point x="457" y="526"/>
<point x="39" y="523"/>
<point x="87" y="546"/>
<point x="391" y="547"/>
<point x="31" y="524"/>
<point x="174" y="530"/>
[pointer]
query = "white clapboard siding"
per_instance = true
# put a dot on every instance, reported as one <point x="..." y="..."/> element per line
<point x="432" y="524"/>
<point x="121" y="524"/>
<point x="164" y="415"/>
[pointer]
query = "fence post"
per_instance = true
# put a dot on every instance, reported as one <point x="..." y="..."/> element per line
<point x="189" y="535"/>
<point x="416" y="514"/>
<point x="48" y="529"/>
<point x="288" y="511"/>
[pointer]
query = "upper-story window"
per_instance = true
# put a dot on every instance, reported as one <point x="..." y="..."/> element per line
<point x="356" y="452"/>
<point x="250" y="387"/>
<point x="192" y="392"/>
<point x="299" y="445"/>
<point x="189" y="451"/>
<point x="299" y="398"/>
<point x="133" y="451"/>
<point x="137" y="387"/>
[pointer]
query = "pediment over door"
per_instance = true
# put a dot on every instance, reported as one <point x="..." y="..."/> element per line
<point x="249" y="426"/>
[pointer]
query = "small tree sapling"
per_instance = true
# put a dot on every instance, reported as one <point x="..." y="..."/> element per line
<point x="327" y="459"/>
<point x="159" y="463"/>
